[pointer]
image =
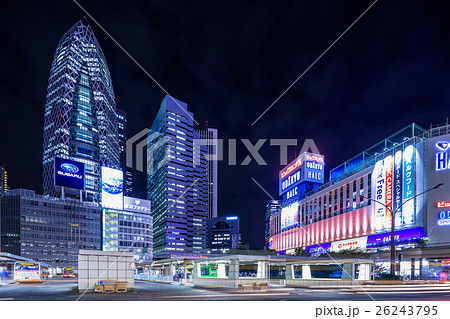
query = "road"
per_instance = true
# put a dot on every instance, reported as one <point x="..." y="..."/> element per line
<point x="65" y="290"/>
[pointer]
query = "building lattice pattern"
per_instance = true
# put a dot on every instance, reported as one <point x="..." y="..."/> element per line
<point x="80" y="121"/>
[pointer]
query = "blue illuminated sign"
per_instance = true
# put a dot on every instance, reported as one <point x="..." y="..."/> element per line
<point x="444" y="218"/>
<point x="69" y="173"/>
<point x="408" y="172"/>
<point x="112" y="188"/>
<point x="404" y="235"/>
<point x="314" y="172"/>
<point x="442" y="161"/>
<point x="325" y="247"/>
<point x="291" y="193"/>
<point x="231" y="218"/>
<point x="308" y="167"/>
<point x="291" y="180"/>
<point x="398" y="176"/>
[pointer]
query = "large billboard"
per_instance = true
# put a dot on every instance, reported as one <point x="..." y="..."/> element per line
<point x="136" y="205"/>
<point x="408" y="185"/>
<point x="438" y="208"/>
<point x="289" y="215"/>
<point x="354" y="243"/>
<point x="112" y="188"/>
<point x="393" y="186"/>
<point x="69" y="173"/>
<point x="308" y="167"/>
<point x="379" y="194"/>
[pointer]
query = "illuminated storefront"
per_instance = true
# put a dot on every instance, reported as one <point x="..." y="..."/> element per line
<point x="349" y="211"/>
<point x="126" y="222"/>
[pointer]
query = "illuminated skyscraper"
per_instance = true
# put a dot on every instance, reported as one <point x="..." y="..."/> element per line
<point x="273" y="207"/>
<point x="3" y="180"/>
<point x="177" y="181"/>
<point x="80" y="121"/>
<point x="127" y="171"/>
<point x="210" y="137"/>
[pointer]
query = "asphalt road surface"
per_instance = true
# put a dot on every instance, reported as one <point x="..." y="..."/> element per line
<point x="65" y="290"/>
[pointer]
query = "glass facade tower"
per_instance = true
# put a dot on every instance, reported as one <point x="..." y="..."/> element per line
<point x="177" y="182"/>
<point x="210" y="137"/>
<point x="80" y="121"/>
<point x="3" y="180"/>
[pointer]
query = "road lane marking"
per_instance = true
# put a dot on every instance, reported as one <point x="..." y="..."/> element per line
<point x="229" y="295"/>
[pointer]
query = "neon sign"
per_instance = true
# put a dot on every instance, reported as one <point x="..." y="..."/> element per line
<point x="442" y="204"/>
<point x="314" y="158"/>
<point x="389" y="179"/>
<point x="291" y="193"/>
<point x="308" y="167"/>
<point x="442" y="160"/>
<point x="69" y="173"/>
<point x="398" y="174"/>
<point x="444" y="218"/>
<point x="291" y="168"/>
<point x="379" y="178"/>
<point x="291" y="180"/>
<point x="408" y="178"/>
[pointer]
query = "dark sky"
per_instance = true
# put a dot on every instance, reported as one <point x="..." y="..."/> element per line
<point x="229" y="61"/>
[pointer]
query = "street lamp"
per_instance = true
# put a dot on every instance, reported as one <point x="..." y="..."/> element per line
<point x="392" y="269"/>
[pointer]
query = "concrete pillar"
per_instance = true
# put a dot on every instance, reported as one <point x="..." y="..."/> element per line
<point x="289" y="271"/>
<point x="262" y="266"/>
<point x="195" y="270"/>
<point x="233" y="271"/>
<point x="306" y="272"/>
<point x="364" y="272"/>
<point x="421" y="268"/>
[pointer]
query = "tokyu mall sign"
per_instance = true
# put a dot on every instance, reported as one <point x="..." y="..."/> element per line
<point x="354" y="243"/>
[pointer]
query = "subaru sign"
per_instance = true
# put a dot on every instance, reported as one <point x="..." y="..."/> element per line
<point x="69" y="173"/>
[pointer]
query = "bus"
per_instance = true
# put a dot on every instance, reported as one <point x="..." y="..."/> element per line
<point x="69" y="272"/>
<point x="27" y="271"/>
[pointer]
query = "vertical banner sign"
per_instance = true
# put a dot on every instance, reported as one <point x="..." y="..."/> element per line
<point x="398" y="187"/>
<point x="379" y="190"/>
<point x="112" y="188"/>
<point x="408" y="184"/>
<point x="389" y="166"/>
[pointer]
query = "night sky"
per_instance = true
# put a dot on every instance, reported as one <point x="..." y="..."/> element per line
<point x="229" y="61"/>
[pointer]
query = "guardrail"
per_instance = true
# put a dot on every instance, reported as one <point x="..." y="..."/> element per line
<point x="158" y="278"/>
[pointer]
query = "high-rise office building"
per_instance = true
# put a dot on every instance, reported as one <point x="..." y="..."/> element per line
<point x="3" y="180"/>
<point x="129" y="229"/>
<point x="223" y="234"/>
<point x="80" y="121"/>
<point x="210" y="137"/>
<point x="177" y="181"/>
<point x="273" y="207"/>
<point x="127" y="171"/>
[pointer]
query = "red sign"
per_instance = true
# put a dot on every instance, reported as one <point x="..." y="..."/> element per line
<point x="133" y="265"/>
<point x="314" y="158"/>
<point x="389" y="178"/>
<point x="291" y="168"/>
<point x="442" y="204"/>
<point x="347" y="244"/>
